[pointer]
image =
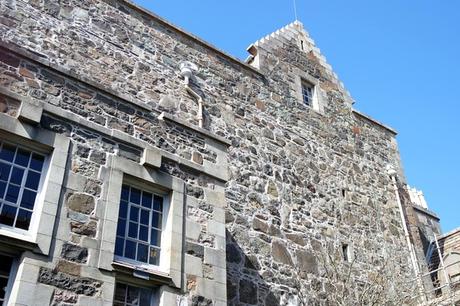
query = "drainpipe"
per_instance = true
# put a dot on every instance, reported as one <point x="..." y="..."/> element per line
<point x="186" y="70"/>
<point x="392" y="173"/>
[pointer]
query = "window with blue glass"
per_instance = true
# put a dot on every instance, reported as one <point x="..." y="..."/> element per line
<point x="127" y="295"/>
<point x="139" y="226"/>
<point x="20" y="175"/>
<point x="307" y="93"/>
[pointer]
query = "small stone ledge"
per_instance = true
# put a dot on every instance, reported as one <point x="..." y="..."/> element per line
<point x="200" y="130"/>
<point x="366" y="117"/>
<point x="151" y="157"/>
<point x="30" y="111"/>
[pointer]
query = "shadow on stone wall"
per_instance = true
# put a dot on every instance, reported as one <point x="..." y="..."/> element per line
<point x="245" y="284"/>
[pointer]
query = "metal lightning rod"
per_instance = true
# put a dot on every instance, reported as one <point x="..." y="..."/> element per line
<point x="295" y="9"/>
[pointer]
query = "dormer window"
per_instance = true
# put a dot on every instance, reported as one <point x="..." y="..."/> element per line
<point x="308" y="90"/>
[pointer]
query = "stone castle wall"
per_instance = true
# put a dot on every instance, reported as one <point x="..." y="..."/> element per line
<point x="300" y="183"/>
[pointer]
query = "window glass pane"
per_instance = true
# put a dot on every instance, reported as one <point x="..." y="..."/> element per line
<point x="130" y="249"/>
<point x="22" y="158"/>
<point x="4" y="171"/>
<point x="156" y="220"/>
<point x="121" y="227"/>
<point x="154" y="256"/>
<point x="142" y="252"/>
<point x="119" y="246"/>
<point x="158" y="203"/>
<point x="28" y="199"/>
<point x="145" y="297"/>
<point x="3" y="285"/>
<point x="33" y="179"/>
<point x="155" y="237"/>
<point x="2" y="189"/>
<point x="145" y="214"/>
<point x="120" y="292"/>
<point x="12" y="193"/>
<point x="134" y="214"/>
<point x="133" y="295"/>
<point x="144" y="233"/>
<point x="7" y="215"/>
<point x="123" y="209"/>
<point x="23" y="219"/>
<point x="5" y="264"/>
<point x="135" y="196"/>
<point x="5" y="267"/>
<point x="36" y="162"/>
<point x="7" y="152"/>
<point x="16" y="176"/>
<point x="125" y="192"/>
<point x="147" y="199"/>
<point x="132" y="231"/>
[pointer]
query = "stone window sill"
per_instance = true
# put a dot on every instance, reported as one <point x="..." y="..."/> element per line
<point x="150" y="275"/>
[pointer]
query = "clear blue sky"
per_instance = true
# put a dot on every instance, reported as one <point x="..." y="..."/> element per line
<point x="399" y="59"/>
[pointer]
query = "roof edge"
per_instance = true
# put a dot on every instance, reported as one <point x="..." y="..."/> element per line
<point x="193" y="37"/>
<point x="451" y="233"/>
<point x="367" y="117"/>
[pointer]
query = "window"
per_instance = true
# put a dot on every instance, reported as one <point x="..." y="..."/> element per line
<point x="345" y="252"/>
<point x="133" y="296"/>
<point x="139" y="226"/>
<point x="20" y="176"/>
<point x="307" y="93"/>
<point x="145" y="208"/>
<point x="5" y="268"/>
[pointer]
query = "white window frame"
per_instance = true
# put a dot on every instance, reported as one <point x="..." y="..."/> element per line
<point x="55" y="147"/>
<point x="114" y="175"/>
<point x="34" y="222"/>
<point x="316" y="103"/>
<point x="305" y="85"/>
<point x="164" y="219"/>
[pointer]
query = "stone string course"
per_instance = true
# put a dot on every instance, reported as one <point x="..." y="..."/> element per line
<point x="301" y="183"/>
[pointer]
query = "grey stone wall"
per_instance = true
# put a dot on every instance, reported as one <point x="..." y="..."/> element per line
<point x="301" y="183"/>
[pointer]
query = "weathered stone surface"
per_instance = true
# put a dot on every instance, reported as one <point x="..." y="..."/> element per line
<point x="68" y="267"/>
<point x="248" y="292"/>
<point x="306" y="261"/>
<point x="194" y="249"/>
<point x="232" y="253"/>
<point x="280" y="252"/>
<point x="62" y="296"/>
<point x="197" y="158"/>
<point x="74" y="253"/>
<point x="168" y="102"/>
<point x="80" y="202"/>
<point x="260" y="225"/>
<point x="78" y="285"/>
<point x="88" y="229"/>
<point x="201" y="301"/>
